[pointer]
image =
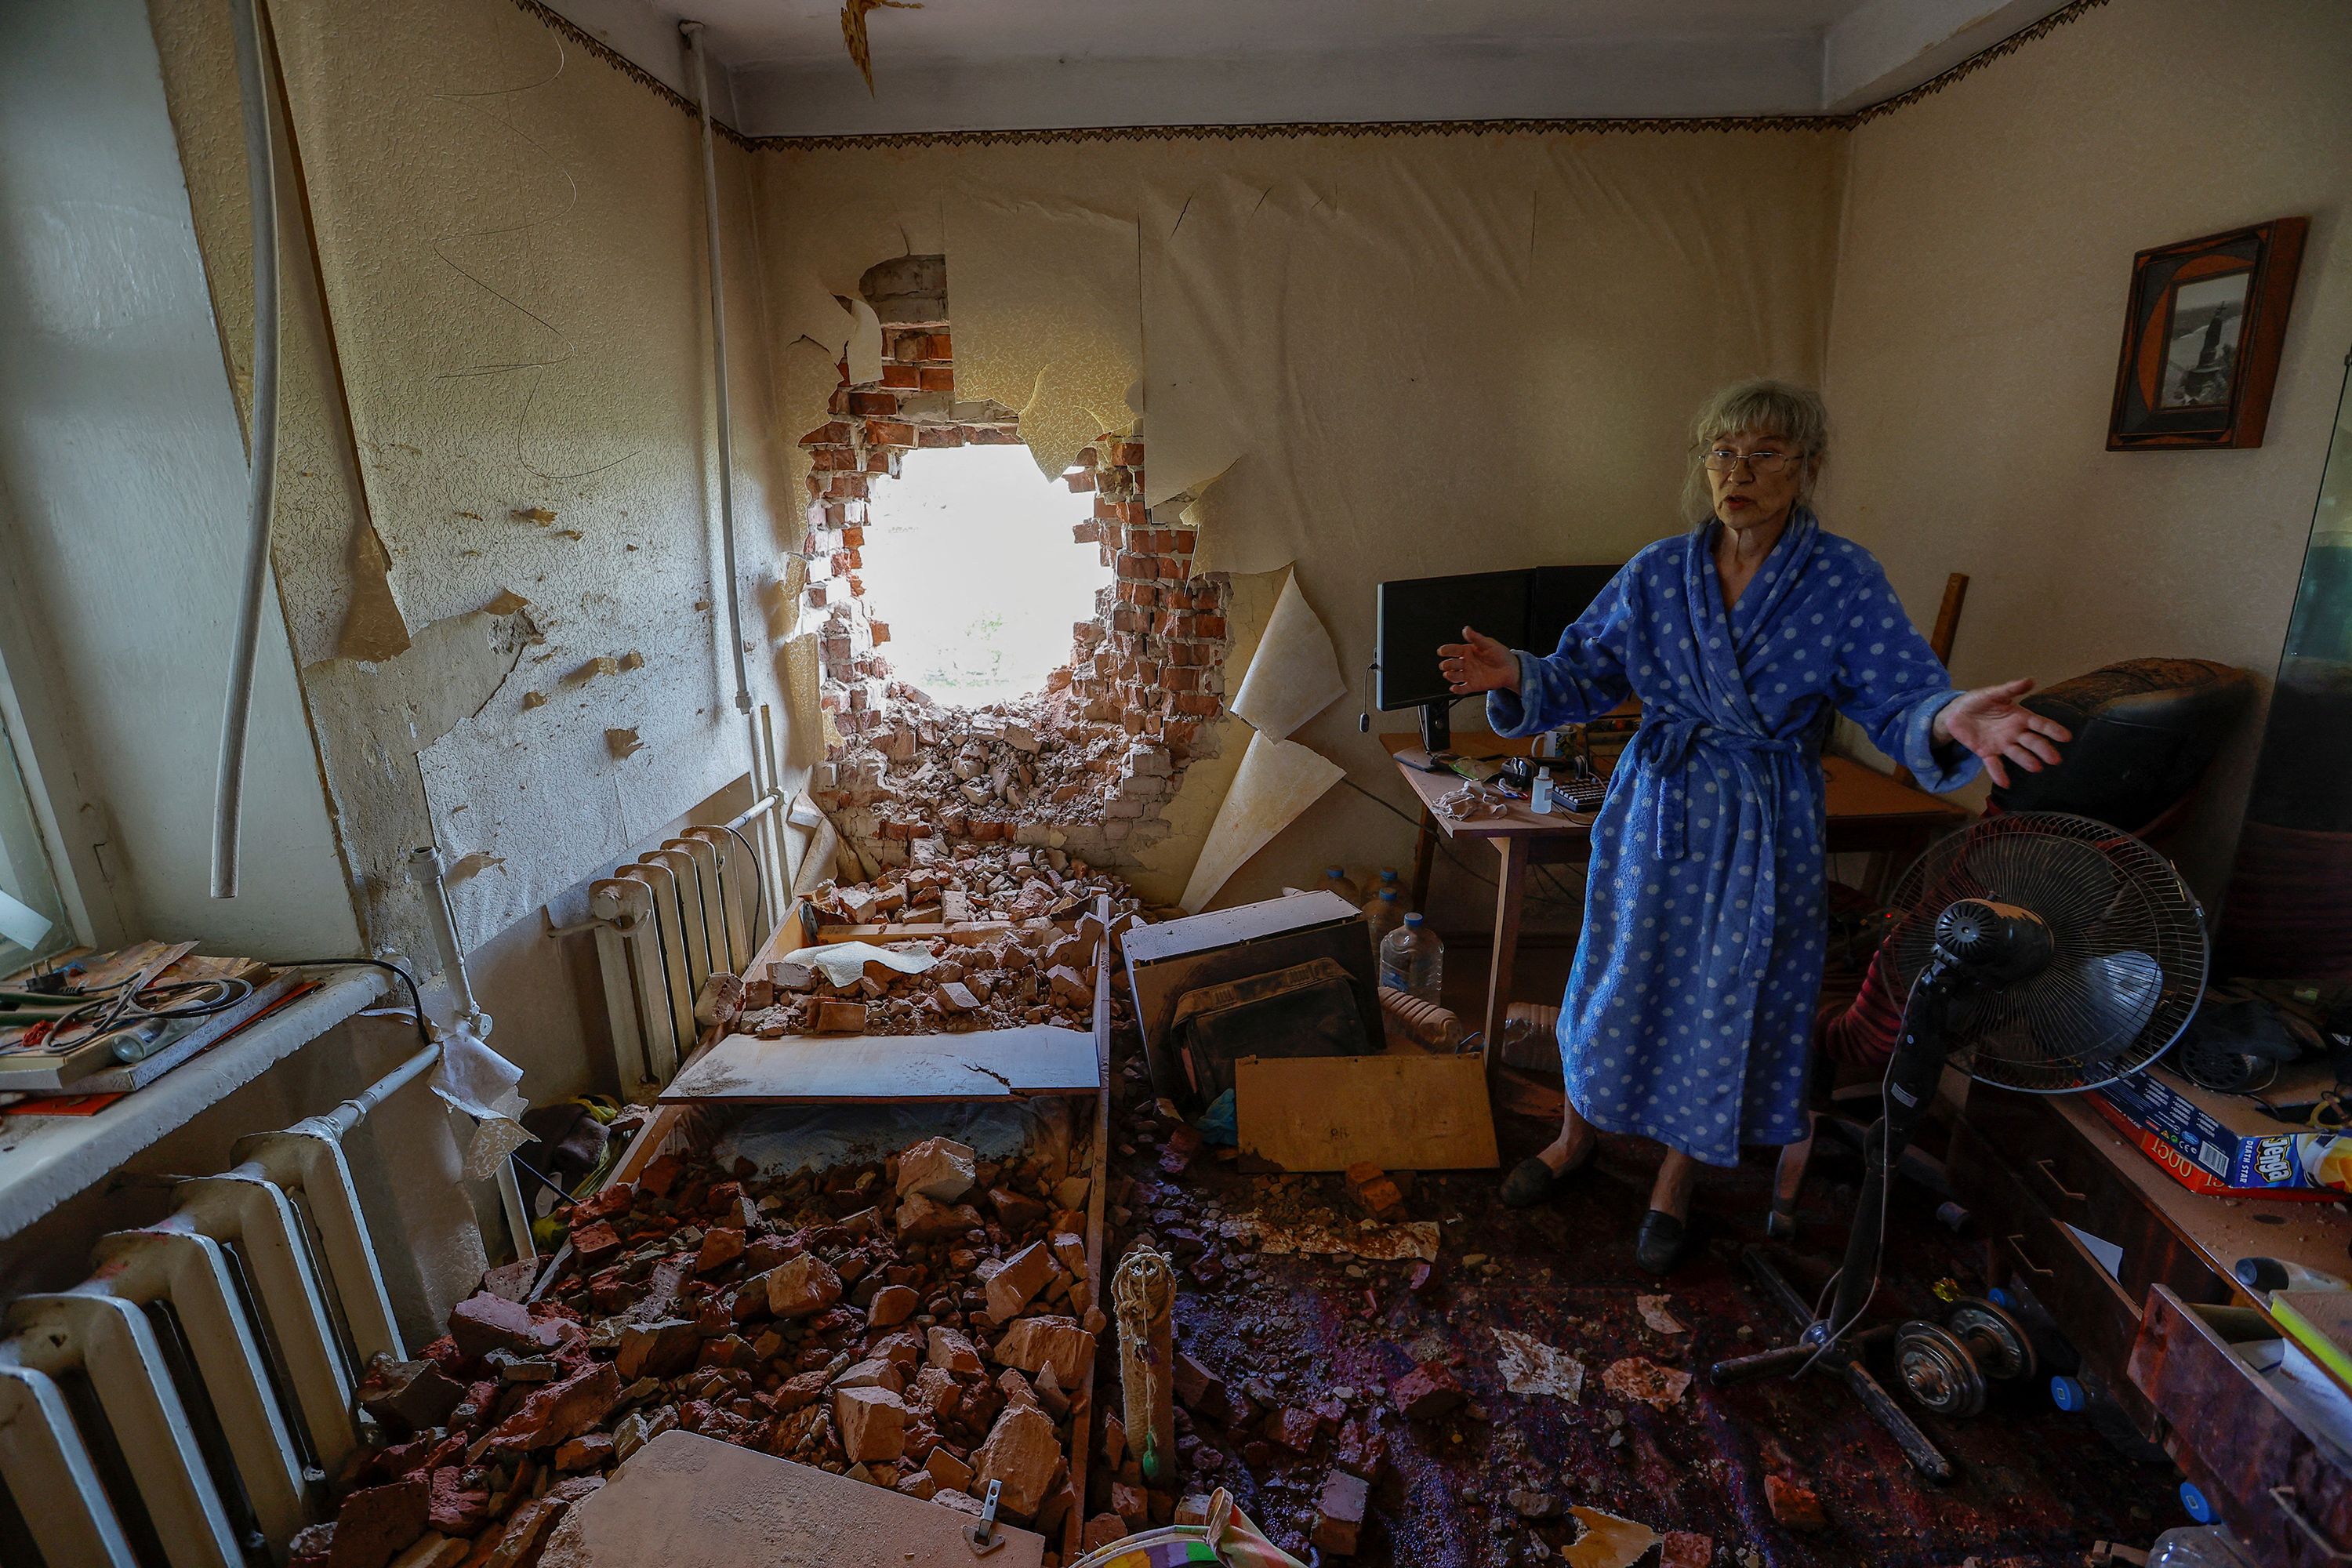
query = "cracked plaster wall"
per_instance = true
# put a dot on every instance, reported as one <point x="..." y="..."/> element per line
<point x="122" y="512"/>
<point x="497" y="529"/>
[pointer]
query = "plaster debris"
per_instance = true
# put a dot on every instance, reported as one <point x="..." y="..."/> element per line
<point x="1638" y="1377"/>
<point x="534" y="699"/>
<point x="1608" y="1540"/>
<point x="1653" y="1310"/>
<point x="507" y="602"/>
<point x="538" y="514"/>
<point x="623" y="743"/>
<point x="1529" y="1366"/>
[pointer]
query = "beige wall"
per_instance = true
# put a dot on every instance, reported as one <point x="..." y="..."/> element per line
<point x="1418" y="354"/>
<point x="1984" y="253"/>
<point x="496" y="303"/>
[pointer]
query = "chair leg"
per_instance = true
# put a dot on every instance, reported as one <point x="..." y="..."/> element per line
<point x="1781" y="1225"/>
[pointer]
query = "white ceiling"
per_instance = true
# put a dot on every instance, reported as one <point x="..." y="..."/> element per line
<point x="955" y="65"/>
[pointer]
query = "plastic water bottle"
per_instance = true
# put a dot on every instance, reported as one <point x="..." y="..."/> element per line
<point x="1334" y="880"/>
<point x="1383" y="911"/>
<point x="1414" y="960"/>
<point x="2197" y="1546"/>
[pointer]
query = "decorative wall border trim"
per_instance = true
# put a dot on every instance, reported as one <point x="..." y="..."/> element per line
<point x="1302" y="129"/>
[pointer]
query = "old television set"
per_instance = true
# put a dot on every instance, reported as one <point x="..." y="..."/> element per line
<point x="1525" y="608"/>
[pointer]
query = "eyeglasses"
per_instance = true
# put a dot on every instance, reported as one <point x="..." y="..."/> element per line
<point x="1723" y="460"/>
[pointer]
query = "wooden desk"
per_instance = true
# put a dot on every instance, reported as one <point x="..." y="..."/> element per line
<point x="1868" y="811"/>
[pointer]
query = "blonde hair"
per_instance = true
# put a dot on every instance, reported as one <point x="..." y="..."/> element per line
<point x="1795" y="414"/>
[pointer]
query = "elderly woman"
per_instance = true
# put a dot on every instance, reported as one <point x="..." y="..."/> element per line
<point x="1689" y="1009"/>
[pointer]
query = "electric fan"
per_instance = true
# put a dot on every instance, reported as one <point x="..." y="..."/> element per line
<point x="2039" y="951"/>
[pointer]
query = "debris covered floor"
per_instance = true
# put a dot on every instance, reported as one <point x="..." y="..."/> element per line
<point x="1497" y="1479"/>
<point x="1383" y="1371"/>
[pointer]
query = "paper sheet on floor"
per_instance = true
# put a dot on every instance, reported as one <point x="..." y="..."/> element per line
<point x="1529" y="1366"/>
<point x="844" y="962"/>
<point x="1295" y="673"/>
<point x="1279" y="779"/>
<point x="1638" y="1377"/>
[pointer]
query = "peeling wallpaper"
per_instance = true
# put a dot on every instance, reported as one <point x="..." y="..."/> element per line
<point x="498" y="536"/>
<point x="1414" y="354"/>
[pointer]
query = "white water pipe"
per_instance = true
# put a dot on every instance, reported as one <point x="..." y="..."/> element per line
<point x="693" y="33"/>
<point x="261" y="185"/>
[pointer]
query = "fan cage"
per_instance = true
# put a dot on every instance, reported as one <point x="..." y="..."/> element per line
<point x="2122" y="925"/>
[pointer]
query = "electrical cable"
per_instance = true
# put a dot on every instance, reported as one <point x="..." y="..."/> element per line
<point x="1878" y="1254"/>
<point x="416" y="997"/>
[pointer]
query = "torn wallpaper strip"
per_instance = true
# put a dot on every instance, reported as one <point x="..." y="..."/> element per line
<point x="1295" y="673"/>
<point x="1043" y="305"/>
<point x="1279" y="779"/>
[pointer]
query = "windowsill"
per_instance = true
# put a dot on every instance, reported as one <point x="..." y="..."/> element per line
<point x="46" y="1160"/>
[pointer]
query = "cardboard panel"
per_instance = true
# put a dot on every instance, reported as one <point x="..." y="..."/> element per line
<point x="1402" y="1112"/>
<point x="690" y="1501"/>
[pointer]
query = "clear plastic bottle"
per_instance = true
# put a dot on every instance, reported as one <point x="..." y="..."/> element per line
<point x="2197" y="1546"/>
<point x="1412" y="960"/>
<point x="1383" y="911"/>
<point x="1334" y="880"/>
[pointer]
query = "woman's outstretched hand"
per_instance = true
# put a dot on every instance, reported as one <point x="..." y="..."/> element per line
<point x="1989" y="723"/>
<point x="1479" y="663"/>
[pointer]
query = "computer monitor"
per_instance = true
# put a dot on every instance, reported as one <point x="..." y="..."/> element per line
<point x="1526" y="608"/>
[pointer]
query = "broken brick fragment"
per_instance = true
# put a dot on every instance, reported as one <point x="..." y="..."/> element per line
<point x="1427" y="1392"/>
<point x="1340" y="1513"/>
<point x="1017" y="1212"/>
<point x="920" y="1219"/>
<point x="376" y="1523"/>
<point x="408" y="1396"/>
<point x="1291" y="1429"/>
<point x="660" y="1348"/>
<point x="872" y="1423"/>
<point x="482" y="1323"/>
<point x="1016" y="1284"/>
<point x="596" y="1244"/>
<point x="1687" y="1549"/>
<point x="719" y="1248"/>
<point x="1038" y="1344"/>
<point x="940" y="1169"/>
<point x="1792" y="1506"/>
<point x="558" y="1411"/>
<point x="805" y="1285"/>
<point x="892" y="1305"/>
<point x="1024" y="1453"/>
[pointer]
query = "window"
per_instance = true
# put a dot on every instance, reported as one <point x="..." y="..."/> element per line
<point x="971" y="559"/>
<point x="33" y="921"/>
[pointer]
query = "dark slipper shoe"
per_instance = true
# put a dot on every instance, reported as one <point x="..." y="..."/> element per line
<point x="1531" y="1180"/>
<point x="1658" y="1245"/>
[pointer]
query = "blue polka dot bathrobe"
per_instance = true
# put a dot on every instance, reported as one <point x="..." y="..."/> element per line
<point x="1689" y="1009"/>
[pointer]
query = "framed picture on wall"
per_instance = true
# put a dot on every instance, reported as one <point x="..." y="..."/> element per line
<point x="2201" y="337"/>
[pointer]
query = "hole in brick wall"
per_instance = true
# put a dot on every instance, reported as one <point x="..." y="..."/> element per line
<point x="983" y="580"/>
